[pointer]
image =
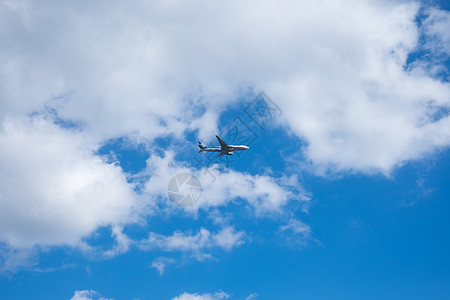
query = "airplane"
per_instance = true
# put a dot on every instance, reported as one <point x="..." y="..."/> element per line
<point x="223" y="149"/>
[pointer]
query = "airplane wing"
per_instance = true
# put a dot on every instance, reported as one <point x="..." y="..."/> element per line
<point x="221" y="153"/>
<point x="222" y="143"/>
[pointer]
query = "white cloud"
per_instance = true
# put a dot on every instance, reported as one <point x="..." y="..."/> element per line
<point x="296" y="226"/>
<point x="196" y="244"/>
<point x="356" y="106"/>
<point x="296" y="232"/>
<point x="11" y="259"/>
<point x="161" y="263"/>
<point x="220" y="218"/>
<point x="436" y="27"/>
<point x="227" y="238"/>
<point x="252" y="296"/>
<point x="53" y="189"/>
<point x="263" y="193"/>
<point x="123" y="242"/>
<point x="152" y="69"/>
<point x="216" y="296"/>
<point x="88" y="295"/>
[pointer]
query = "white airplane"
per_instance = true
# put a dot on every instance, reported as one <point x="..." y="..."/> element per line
<point x="223" y="149"/>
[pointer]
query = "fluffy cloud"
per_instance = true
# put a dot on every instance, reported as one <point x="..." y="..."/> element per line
<point x="152" y="69"/>
<point x="338" y="70"/>
<point x="354" y="102"/>
<point x="227" y="238"/>
<point x="105" y="66"/>
<point x="53" y="189"/>
<point x="263" y="193"/>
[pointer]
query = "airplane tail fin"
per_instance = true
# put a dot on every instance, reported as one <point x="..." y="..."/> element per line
<point x="201" y="146"/>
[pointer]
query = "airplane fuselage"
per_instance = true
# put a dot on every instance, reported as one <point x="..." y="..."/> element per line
<point x="223" y="149"/>
<point x="226" y="149"/>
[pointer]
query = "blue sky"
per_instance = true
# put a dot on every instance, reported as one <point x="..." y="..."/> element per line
<point x="343" y="193"/>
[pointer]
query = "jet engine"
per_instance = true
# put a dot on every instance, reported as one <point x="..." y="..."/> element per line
<point x="229" y="153"/>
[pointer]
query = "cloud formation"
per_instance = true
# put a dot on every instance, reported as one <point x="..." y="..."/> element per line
<point x="216" y="296"/>
<point x="161" y="263"/>
<point x="436" y="27"/>
<point x="339" y="71"/>
<point x="88" y="295"/>
<point x="53" y="189"/>
<point x="227" y="238"/>
<point x="264" y="194"/>
<point x="296" y="232"/>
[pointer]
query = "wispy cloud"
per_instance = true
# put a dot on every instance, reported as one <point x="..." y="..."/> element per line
<point x="296" y="232"/>
<point x="227" y="238"/>
<point x="13" y="259"/>
<point x="195" y="296"/>
<point x="252" y="296"/>
<point x="436" y="27"/>
<point x="161" y="263"/>
<point x="122" y="245"/>
<point x="88" y="295"/>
